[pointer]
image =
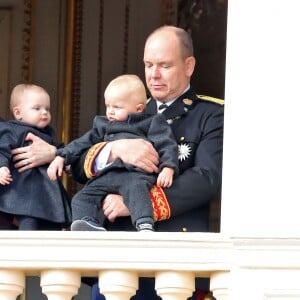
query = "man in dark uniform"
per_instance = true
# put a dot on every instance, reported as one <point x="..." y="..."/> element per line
<point x="197" y="123"/>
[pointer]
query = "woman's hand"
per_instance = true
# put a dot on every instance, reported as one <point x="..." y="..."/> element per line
<point x="36" y="154"/>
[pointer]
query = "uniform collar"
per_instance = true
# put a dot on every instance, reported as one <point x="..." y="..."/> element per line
<point x="180" y="106"/>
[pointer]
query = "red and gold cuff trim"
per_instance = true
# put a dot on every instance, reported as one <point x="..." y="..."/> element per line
<point x="160" y="204"/>
<point x="90" y="158"/>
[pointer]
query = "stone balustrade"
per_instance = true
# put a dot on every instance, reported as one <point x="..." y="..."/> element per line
<point x="238" y="268"/>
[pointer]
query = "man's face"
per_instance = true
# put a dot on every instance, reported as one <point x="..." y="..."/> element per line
<point x="167" y="73"/>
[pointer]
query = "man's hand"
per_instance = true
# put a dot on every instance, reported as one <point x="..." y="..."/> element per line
<point x="36" y="154"/>
<point x="137" y="152"/>
<point x="113" y="207"/>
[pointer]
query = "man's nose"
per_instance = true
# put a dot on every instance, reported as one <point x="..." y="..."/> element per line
<point x="155" y="72"/>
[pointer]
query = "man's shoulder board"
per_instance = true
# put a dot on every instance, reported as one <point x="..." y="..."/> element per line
<point x="211" y="99"/>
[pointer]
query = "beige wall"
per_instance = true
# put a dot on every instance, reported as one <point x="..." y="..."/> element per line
<point x="110" y="40"/>
<point x="11" y="42"/>
<point x="32" y="49"/>
<point x="112" y="47"/>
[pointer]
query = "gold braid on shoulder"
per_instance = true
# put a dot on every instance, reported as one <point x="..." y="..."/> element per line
<point x="211" y="99"/>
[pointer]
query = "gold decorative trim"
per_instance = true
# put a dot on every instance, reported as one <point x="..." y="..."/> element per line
<point x="211" y="99"/>
<point x="160" y="204"/>
<point x="71" y="101"/>
<point x="90" y="159"/>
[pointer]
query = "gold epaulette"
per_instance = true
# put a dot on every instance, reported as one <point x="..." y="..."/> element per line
<point x="211" y="99"/>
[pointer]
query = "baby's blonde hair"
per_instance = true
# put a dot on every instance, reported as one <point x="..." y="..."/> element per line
<point x="19" y="90"/>
<point x="132" y="84"/>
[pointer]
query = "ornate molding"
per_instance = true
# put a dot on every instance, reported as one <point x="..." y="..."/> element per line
<point x="126" y="36"/>
<point x="72" y="90"/>
<point x="27" y="59"/>
<point x="201" y="15"/>
<point x="100" y="55"/>
<point x="77" y="52"/>
<point x="169" y="12"/>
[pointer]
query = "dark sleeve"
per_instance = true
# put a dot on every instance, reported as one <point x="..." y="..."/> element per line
<point x="197" y="185"/>
<point x="77" y="169"/>
<point x="81" y="165"/>
<point x="75" y="149"/>
<point x="161" y="136"/>
<point x="7" y="141"/>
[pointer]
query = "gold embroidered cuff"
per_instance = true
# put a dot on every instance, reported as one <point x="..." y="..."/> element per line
<point x="90" y="159"/>
<point x="161" y="208"/>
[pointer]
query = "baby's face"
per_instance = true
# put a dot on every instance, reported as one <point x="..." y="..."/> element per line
<point x="34" y="109"/>
<point x="120" y="104"/>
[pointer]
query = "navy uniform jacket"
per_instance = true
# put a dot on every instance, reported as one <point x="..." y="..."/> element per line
<point x="31" y="193"/>
<point x="197" y="124"/>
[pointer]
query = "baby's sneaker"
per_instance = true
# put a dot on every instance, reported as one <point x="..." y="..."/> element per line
<point x="86" y="224"/>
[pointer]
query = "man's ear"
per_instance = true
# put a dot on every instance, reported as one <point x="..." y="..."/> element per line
<point x="190" y="63"/>
<point x="17" y="113"/>
<point x="140" y="107"/>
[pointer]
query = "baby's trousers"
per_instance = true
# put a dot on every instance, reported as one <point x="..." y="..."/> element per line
<point x="134" y="186"/>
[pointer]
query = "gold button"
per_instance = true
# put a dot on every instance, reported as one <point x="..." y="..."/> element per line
<point x="182" y="138"/>
<point x="184" y="229"/>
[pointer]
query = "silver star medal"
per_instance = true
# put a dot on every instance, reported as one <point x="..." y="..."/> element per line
<point x="184" y="151"/>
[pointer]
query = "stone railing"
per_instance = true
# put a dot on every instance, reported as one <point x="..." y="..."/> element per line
<point x="117" y="258"/>
<point x="257" y="268"/>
